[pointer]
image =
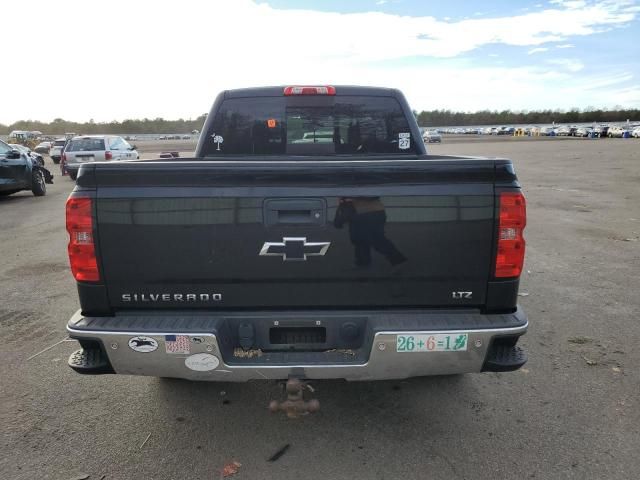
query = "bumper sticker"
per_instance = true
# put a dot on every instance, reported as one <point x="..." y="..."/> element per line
<point x="143" y="344"/>
<point x="436" y="342"/>
<point x="202" y="362"/>
<point x="177" y="344"/>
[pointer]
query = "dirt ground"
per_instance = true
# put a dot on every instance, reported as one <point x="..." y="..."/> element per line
<point x="572" y="412"/>
<point x="149" y="149"/>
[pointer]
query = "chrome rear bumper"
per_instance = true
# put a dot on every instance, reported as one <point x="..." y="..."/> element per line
<point x="200" y="355"/>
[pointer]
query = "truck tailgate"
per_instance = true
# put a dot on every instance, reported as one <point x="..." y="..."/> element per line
<point x="233" y="235"/>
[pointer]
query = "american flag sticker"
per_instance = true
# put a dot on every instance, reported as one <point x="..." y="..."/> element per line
<point x="177" y="344"/>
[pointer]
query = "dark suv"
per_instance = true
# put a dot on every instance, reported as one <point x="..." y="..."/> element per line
<point x="18" y="171"/>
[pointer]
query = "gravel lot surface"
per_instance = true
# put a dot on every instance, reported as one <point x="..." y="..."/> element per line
<point x="572" y="412"/>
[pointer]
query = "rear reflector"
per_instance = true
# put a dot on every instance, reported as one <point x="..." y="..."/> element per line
<point x="511" y="244"/>
<point x="307" y="90"/>
<point x="82" y="252"/>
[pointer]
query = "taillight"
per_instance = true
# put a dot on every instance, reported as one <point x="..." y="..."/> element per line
<point x="108" y="155"/>
<point x="82" y="252"/>
<point x="64" y="157"/>
<point x="306" y="90"/>
<point x="511" y="244"/>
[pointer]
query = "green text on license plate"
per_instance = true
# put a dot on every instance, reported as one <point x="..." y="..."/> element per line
<point x="437" y="342"/>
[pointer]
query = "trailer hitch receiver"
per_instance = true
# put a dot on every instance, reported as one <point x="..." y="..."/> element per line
<point x="295" y="404"/>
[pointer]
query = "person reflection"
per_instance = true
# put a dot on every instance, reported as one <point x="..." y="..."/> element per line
<point x="366" y="218"/>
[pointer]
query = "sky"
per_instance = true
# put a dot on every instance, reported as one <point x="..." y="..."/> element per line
<point x="116" y="59"/>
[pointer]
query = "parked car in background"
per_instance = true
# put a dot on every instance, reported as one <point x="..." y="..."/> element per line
<point x="96" y="148"/>
<point x="563" y="131"/>
<point x="25" y="135"/>
<point x="18" y="171"/>
<point x="617" y="131"/>
<point x="586" y="132"/>
<point x="431" y="136"/>
<point x="39" y="159"/>
<point x="56" y="149"/>
<point x="635" y="133"/>
<point x="43" y="147"/>
<point x="317" y="136"/>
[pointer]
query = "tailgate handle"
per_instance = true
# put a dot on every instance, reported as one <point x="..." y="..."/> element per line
<point x="295" y="211"/>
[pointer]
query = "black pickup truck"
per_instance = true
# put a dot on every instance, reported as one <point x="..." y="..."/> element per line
<point x="311" y="236"/>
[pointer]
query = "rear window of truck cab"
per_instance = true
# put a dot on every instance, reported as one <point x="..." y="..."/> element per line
<point x="311" y="125"/>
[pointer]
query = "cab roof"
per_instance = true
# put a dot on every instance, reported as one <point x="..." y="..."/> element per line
<point x="278" y="91"/>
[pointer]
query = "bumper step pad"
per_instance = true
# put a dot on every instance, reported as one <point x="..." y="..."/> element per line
<point x="90" y="362"/>
<point x="504" y="359"/>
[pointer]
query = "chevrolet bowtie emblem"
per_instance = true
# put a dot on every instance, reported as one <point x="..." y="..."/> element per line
<point x="294" y="249"/>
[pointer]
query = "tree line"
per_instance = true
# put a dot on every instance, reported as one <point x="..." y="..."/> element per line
<point x="443" y="118"/>
<point x="146" y="125"/>
<point x="431" y="118"/>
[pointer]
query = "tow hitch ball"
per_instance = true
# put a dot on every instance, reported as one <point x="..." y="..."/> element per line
<point x="295" y="405"/>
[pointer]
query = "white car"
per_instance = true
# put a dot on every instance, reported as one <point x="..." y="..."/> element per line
<point x="43" y="147"/>
<point x="431" y="136"/>
<point x="585" y="132"/>
<point x="635" y="133"/>
<point x="96" y="148"/>
<point x="56" y="149"/>
<point x="617" y="131"/>
<point x="319" y="136"/>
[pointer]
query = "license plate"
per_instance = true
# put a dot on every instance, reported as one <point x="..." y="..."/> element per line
<point x="437" y="342"/>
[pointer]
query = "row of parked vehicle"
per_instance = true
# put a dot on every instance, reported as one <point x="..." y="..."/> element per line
<point x="601" y="131"/>
<point x="72" y="151"/>
<point x="24" y="169"/>
<point x="174" y="137"/>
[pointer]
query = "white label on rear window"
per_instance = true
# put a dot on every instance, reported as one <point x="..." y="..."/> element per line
<point x="217" y="139"/>
<point x="404" y="140"/>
